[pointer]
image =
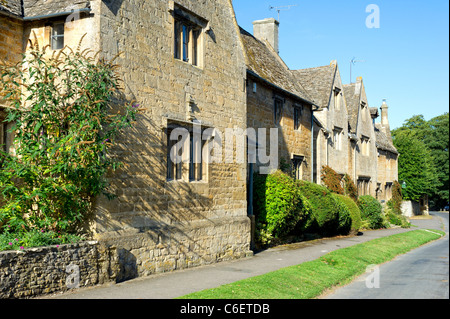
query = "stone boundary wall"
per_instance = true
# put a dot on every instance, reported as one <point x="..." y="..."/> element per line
<point x="45" y="270"/>
<point x="123" y="256"/>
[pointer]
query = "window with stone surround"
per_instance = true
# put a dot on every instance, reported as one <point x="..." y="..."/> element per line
<point x="185" y="154"/>
<point x="57" y="36"/>
<point x="337" y="138"/>
<point x="188" y="35"/>
<point x="278" y="103"/>
<point x="297" y="162"/>
<point x="365" y="145"/>
<point x="298" y="113"/>
<point x="363" y="185"/>
<point x="6" y="137"/>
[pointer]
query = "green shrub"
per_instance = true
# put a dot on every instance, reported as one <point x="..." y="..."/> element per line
<point x="397" y="198"/>
<point x="371" y="212"/>
<point x="350" y="188"/>
<point x="332" y="180"/>
<point x="62" y="138"/>
<point x="35" y="238"/>
<point x="355" y="213"/>
<point x="393" y="217"/>
<point x="325" y="209"/>
<point x="345" y="220"/>
<point x="279" y="206"/>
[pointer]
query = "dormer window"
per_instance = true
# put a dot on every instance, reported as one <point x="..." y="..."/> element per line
<point x="337" y="98"/>
<point x="337" y="138"/>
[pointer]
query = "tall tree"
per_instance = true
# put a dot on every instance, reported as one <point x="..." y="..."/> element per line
<point x="438" y="141"/>
<point x="416" y="165"/>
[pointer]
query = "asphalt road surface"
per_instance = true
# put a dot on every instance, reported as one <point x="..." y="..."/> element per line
<point x="420" y="274"/>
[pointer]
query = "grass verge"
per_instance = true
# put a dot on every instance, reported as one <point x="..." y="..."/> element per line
<point x="310" y="279"/>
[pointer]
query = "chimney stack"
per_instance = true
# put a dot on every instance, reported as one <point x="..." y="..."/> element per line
<point x="385" y="119"/>
<point x="267" y="29"/>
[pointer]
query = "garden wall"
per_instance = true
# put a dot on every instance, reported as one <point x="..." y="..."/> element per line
<point x="38" y="271"/>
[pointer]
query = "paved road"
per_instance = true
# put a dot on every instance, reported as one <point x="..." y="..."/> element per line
<point x="420" y="274"/>
<point x="180" y="283"/>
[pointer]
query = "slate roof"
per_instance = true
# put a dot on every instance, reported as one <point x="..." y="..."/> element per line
<point x="318" y="82"/>
<point x="382" y="141"/>
<point x="13" y="7"/>
<point x="352" y="93"/>
<point x="36" y="8"/>
<point x="266" y="64"/>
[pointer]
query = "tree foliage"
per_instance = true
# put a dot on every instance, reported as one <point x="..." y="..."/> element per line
<point x="64" y="128"/>
<point x="424" y="161"/>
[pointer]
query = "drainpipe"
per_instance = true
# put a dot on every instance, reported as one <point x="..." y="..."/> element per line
<point x="312" y="145"/>
<point x="313" y="109"/>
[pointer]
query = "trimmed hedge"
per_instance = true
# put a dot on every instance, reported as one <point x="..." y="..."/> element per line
<point x="278" y="204"/>
<point x="371" y="212"/>
<point x="325" y="209"/>
<point x="355" y="213"/>
<point x="345" y="220"/>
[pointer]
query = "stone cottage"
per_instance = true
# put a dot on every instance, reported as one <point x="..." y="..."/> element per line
<point x="362" y="151"/>
<point x="275" y="99"/>
<point x="193" y="69"/>
<point x="387" y="163"/>
<point x="331" y="138"/>
<point x="184" y="63"/>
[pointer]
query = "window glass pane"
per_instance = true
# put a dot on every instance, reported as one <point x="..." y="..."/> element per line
<point x="177" y="51"/>
<point x="57" y="42"/>
<point x="185" y="43"/>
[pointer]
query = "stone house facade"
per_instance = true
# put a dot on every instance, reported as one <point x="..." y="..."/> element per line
<point x="331" y="138"/>
<point x="184" y="63"/>
<point x="362" y="159"/>
<point x="276" y="100"/>
<point x="387" y="159"/>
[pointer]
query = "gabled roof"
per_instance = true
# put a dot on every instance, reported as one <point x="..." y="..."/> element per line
<point x="27" y="9"/>
<point x="352" y="93"/>
<point x="265" y="63"/>
<point x="318" y="82"/>
<point x="382" y="141"/>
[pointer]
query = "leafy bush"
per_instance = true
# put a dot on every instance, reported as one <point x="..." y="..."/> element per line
<point x="371" y="212"/>
<point x="325" y="209"/>
<point x="350" y="188"/>
<point x="355" y="213"/>
<point x="394" y="215"/>
<point x="61" y="107"/>
<point x="332" y="180"/>
<point x="345" y="219"/>
<point x="279" y="206"/>
<point x="35" y="238"/>
<point x="397" y="198"/>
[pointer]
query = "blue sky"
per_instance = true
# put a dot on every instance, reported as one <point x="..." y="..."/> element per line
<point x="406" y="59"/>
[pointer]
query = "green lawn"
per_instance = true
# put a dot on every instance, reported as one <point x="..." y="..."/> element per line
<point x="311" y="279"/>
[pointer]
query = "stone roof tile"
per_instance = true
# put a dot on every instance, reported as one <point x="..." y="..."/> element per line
<point x="382" y="141"/>
<point x="36" y="8"/>
<point x="318" y="82"/>
<point x="265" y="63"/>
